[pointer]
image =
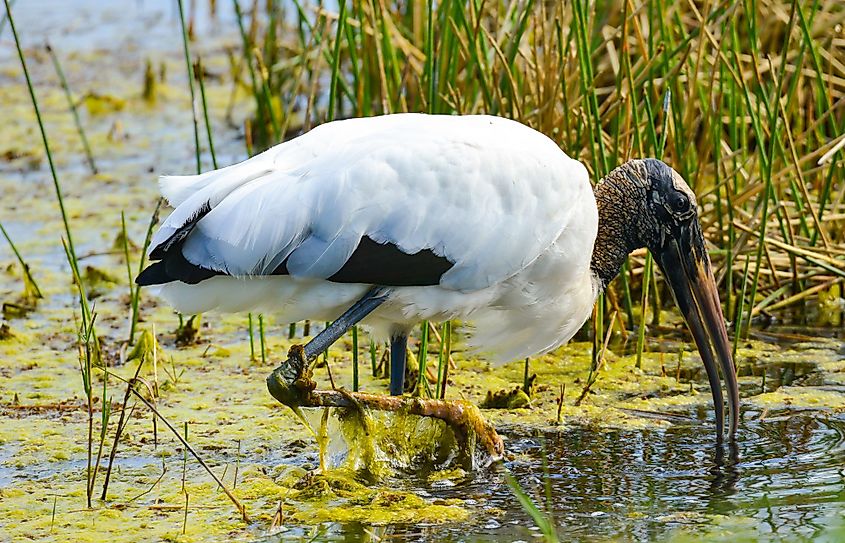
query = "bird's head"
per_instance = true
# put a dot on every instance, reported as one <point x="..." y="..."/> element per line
<point x="650" y="205"/>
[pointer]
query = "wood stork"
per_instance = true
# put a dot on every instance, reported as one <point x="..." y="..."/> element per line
<point x="401" y="218"/>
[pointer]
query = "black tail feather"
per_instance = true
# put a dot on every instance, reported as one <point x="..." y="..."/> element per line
<point x="174" y="267"/>
<point x="154" y="274"/>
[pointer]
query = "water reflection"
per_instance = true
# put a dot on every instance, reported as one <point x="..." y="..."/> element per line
<point x="784" y="477"/>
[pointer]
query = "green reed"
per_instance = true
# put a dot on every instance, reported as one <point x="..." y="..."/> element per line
<point x="124" y="238"/>
<point x="373" y="357"/>
<point x="756" y="102"/>
<point x="261" y="338"/>
<point x="45" y="141"/>
<point x="89" y="349"/>
<point x="134" y="288"/>
<point x="73" y="109"/>
<point x="200" y="77"/>
<point x="447" y="358"/>
<point x="355" y="359"/>
<point x="542" y="519"/>
<point x="250" y="330"/>
<point x="190" y="73"/>
<point x="29" y="280"/>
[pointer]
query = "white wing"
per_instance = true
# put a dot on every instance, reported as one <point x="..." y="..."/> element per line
<point x="488" y="194"/>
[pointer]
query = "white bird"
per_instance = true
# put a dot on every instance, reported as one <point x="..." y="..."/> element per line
<point x="401" y="218"/>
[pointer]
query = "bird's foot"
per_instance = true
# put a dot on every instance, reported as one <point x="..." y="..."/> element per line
<point x="291" y="381"/>
<point x="292" y="385"/>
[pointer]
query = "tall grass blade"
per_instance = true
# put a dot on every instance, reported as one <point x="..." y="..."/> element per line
<point x="541" y="519"/>
<point x="28" y="278"/>
<point x="73" y="109"/>
<point x="190" y="72"/>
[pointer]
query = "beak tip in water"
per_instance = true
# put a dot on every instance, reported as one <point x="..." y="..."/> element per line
<point x="694" y="288"/>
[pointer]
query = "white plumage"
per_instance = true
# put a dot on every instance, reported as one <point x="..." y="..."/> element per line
<point x="515" y="215"/>
<point x="492" y="221"/>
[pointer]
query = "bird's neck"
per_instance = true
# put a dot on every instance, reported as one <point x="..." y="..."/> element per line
<point x="619" y="198"/>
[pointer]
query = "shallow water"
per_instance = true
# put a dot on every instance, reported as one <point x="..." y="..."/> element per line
<point x="783" y="481"/>
<point x="787" y="478"/>
<point x="636" y="462"/>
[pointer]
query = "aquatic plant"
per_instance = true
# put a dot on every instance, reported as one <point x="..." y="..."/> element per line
<point x="87" y="340"/>
<point x="187" y="52"/>
<point x="135" y="290"/>
<point x="73" y="109"/>
<point x="754" y="123"/>
<point x="542" y="519"/>
<point x="757" y="118"/>
<point x="31" y="292"/>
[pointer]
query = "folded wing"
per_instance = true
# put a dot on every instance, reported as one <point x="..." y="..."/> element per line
<point x="463" y="202"/>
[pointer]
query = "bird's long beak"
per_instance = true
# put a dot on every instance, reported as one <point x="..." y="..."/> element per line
<point x="686" y="265"/>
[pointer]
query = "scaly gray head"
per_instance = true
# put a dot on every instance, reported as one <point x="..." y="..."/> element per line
<point x="645" y="203"/>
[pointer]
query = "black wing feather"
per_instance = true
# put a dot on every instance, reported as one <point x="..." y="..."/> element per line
<point x="385" y="264"/>
<point x="371" y="263"/>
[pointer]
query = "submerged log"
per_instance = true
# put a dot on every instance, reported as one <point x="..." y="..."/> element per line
<point x="291" y="384"/>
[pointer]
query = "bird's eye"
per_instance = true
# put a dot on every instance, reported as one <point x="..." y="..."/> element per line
<point x="679" y="203"/>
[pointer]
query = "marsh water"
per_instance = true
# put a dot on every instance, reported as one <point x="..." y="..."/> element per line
<point x="636" y="461"/>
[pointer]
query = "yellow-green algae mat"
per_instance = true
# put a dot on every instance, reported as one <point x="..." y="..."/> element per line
<point x="260" y="449"/>
<point x="229" y="414"/>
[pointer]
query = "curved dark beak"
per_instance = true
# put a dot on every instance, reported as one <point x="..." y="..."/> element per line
<point x="686" y="265"/>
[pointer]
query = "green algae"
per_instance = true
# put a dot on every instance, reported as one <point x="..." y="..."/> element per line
<point x="97" y="281"/>
<point x="338" y="496"/>
<point x="220" y="392"/>
<point x="383" y="444"/>
<point x="188" y="331"/>
<point x="807" y="397"/>
<point x="505" y="399"/>
<point x="6" y="332"/>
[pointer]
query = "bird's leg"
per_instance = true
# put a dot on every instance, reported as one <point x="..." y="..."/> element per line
<point x="291" y="384"/>
<point x="295" y="369"/>
<point x="398" y="354"/>
<point x="342" y="324"/>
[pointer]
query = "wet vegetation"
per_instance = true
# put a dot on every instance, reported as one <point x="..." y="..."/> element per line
<point x="121" y="420"/>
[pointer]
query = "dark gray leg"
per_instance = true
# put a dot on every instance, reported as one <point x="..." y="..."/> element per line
<point x="290" y="382"/>
<point x="351" y="317"/>
<point x="398" y="351"/>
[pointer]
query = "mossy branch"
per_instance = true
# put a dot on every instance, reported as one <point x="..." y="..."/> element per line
<point x="292" y="385"/>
